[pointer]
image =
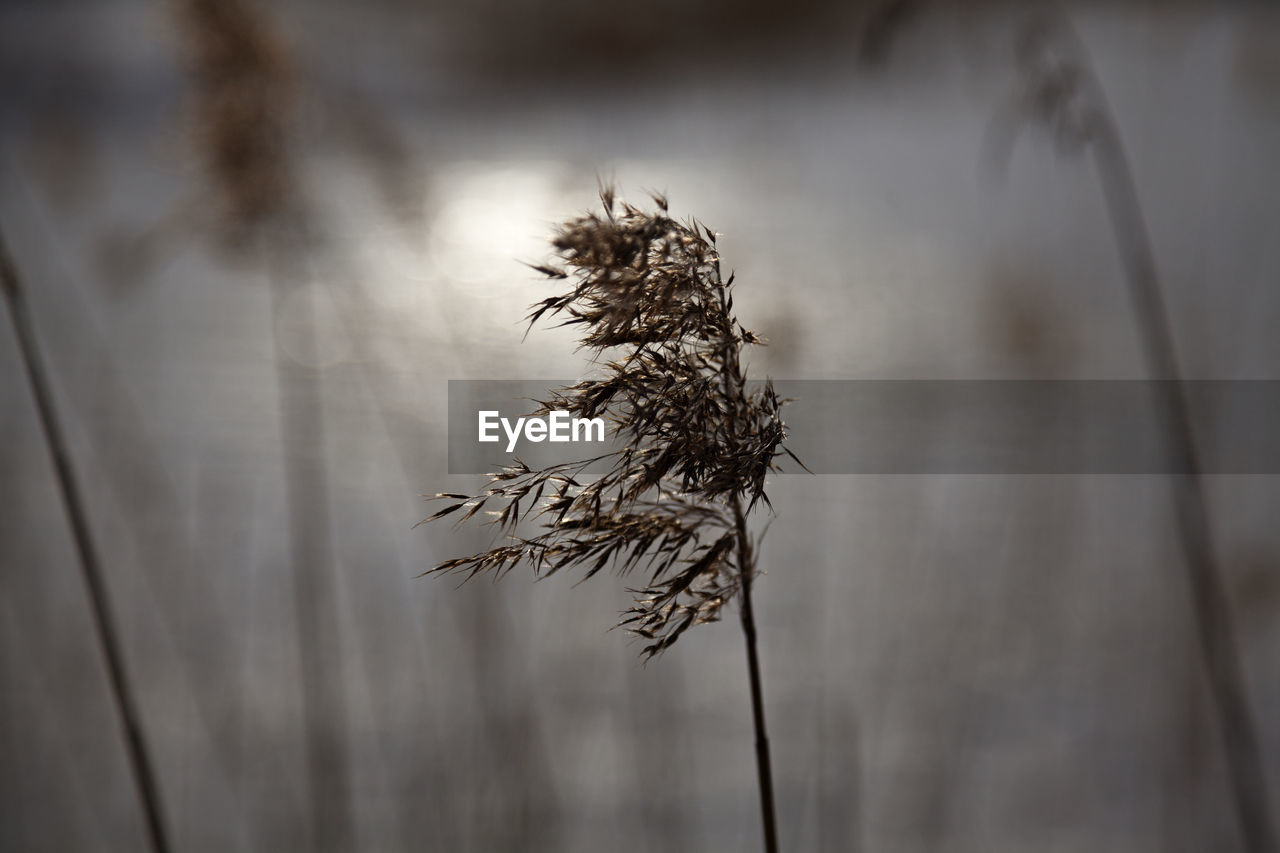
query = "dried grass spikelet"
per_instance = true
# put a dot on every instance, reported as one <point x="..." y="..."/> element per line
<point x="1058" y="95"/>
<point x="647" y="294"/>
<point x="244" y="97"/>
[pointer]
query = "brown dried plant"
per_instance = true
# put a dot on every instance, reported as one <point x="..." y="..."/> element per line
<point x="694" y="443"/>
<point x="244" y="85"/>
<point x="646" y="290"/>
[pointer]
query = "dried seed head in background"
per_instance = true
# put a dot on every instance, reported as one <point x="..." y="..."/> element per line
<point x="1057" y="89"/>
<point x="647" y="295"/>
<point x="244" y="96"/>
<point x="1057" y="94"/>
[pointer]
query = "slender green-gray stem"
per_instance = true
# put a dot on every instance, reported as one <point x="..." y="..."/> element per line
<point x="733" y="384"/>
<point x="315" y="585"/>
<point x="1210" y="606"/>
<point x="104" y="623"/>
<point x="1212" y="610"/>
<point x="764" y="766"/>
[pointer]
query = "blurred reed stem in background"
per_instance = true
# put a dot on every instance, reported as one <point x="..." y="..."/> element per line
<point x="246" y="88"/>
<point x="1063" y="94"/>
<point x="244" y="95"/>
<point x="106" y="632"/>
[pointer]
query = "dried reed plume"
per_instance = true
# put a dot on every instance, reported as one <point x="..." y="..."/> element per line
<point x="695" y="444"/>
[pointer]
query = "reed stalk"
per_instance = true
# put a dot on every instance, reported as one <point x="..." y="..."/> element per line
<point x="1064" y="94"/>
<point x="672" y="503"/>
<point x="106" y="631"/>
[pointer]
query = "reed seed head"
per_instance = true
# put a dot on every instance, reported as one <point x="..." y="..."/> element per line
<point x="243" y="105"/>
<point x="646" y="293"/>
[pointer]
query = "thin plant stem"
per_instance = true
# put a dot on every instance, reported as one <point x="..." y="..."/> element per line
<point x="530" y="777"/>
<point x="1211" y="609"/>
<point x="733" y="382"/>
<point x="764" y="766"/>
<point x="104" y="623"/>
<point x="1215" y="629"/>
<point x="138" y="477"/>
<point x="318" y="628"/>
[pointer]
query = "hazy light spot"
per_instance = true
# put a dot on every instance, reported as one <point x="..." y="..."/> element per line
<point x="491" y="216"/>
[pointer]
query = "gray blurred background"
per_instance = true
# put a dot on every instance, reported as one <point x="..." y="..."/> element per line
<point x="257" y="238"/>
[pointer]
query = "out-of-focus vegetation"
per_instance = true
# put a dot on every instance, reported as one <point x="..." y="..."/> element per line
<point x="254" y="253"/>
